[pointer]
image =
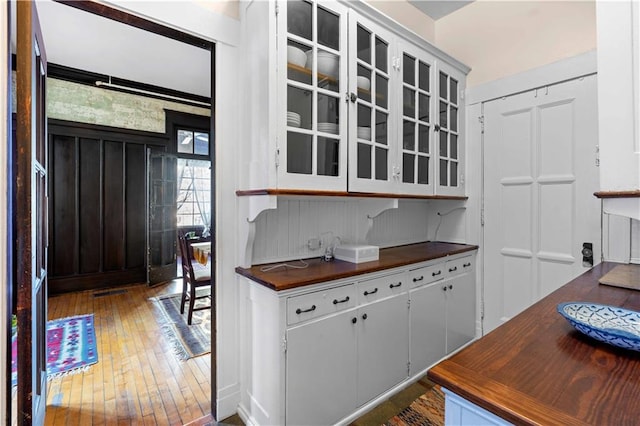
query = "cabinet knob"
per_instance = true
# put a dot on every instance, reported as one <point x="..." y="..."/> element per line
<point x="436" y="128"/>
<point x="364" y="317"/>
<point x="450" y="287"/>
<point x="444" y="288"/>
<point x="354" y="320"/>
<point x="352" y="97"/>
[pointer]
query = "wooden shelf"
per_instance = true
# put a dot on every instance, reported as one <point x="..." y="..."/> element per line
<point x="299" y="192"/>
<point x="618" y="194"/>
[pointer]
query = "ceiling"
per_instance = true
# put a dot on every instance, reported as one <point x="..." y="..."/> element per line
<point x="436" y="9"/>
<point x="89" y="42"/>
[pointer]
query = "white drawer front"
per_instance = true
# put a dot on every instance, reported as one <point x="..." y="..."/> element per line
<point x="426" y="275"/>
<point x="319" y="303"/>
<point x="379" y="288"/>
<point x="459" y="266"/>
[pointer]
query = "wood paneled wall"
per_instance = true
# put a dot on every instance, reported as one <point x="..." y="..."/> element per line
<point x="97" y="205"/>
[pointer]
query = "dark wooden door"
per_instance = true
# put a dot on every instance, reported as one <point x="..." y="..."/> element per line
<point x="162" y="216"/>
<point x="31" y="216"/>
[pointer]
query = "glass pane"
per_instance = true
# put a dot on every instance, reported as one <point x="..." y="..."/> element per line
<point x="364" y="45"/>
<point x="443" y="144"/>
<point x="381" y="163"/>
<point x="328" y="114"/>
<point x="299" y="18"/>
<point x="381" y="127"/>
<point x="409" y="69"/>
<point x="453" y="151"/>
<point x="381" y="55"/>
<point x="453" y="119"/>
<point x="185" y="141"/>
<point x="328" y="28"/>
<point x="409" y="102"/>
<point x="453" y="177"/>
<point x="364" y="121"/>
<point x="299" y="107"/>
<point x="408" y="168"/>
<point x="327" y="156"/>
<point x="409" y="135"/>
<point x="423" y="76"/>
<point x="297" y="68"/>
<point x="299" y="153"/>
<point x="443" y="85"/>
<point x="364" y="161"/>
<point x="423" y="107"/>
<point x="382" y="85"/>
<point x="202" y="143"/>
<point x="453" y="91"/>
<point x="423" y="139"/>
<point x="328" y="68"/>
<point x="443" y="115"/>
<point x="423" y="170"/>
<point x="443" y="173"/>
<point x="364" y="83"/>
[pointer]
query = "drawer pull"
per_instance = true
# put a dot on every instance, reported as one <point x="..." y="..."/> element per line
<point x="466" y="265"/>
<point x="435" y="274"/>
<point x="301" y="311"/>
<point x="395" y="285"/>
<point x="374" y="291"/>
<point x="455" y="268"/>
<point x="336" y="301"/>
<point x="420" y="278"/>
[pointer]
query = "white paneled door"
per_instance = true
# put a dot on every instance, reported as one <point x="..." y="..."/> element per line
<point x="540" y="174"/>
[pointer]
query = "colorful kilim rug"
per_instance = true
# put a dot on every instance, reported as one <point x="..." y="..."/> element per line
<point x="427" y="410"/>
<point x="71" y="347"/>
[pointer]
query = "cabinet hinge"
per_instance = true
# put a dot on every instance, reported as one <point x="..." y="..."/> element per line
<point x="277" y="157"/>
<point x="408" y="367"/>
<point x="277" y="8"/>
<point x="284" y="344"/>
<point x="408" y="303"/>
<point x="597" y="155"/>
<point x="482" y="216"/>
<point x="481" y="120"/>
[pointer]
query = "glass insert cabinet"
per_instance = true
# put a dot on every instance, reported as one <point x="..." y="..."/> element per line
<point x="350" y="103"/>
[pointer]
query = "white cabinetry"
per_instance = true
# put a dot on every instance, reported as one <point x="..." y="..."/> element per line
<point x="442" y="311"/>
<point x="339" y="348"/>
<point x="336" y="89"/>
<point x="618" y="26"/>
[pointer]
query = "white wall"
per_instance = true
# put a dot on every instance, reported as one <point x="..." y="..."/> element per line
<point x="408" y="15"/>
<point x="501" y="38"/>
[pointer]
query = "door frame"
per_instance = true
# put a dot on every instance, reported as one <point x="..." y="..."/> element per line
<point x="556" y="72"/>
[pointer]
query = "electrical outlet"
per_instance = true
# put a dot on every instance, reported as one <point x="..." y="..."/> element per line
<point x="314" y="243"/>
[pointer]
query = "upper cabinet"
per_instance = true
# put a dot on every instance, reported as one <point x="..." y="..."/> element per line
<point x="618" y="25"/>
<point x="340" y="98"/>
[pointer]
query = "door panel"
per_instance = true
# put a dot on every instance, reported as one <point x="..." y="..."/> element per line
<point x="539" y="179"/>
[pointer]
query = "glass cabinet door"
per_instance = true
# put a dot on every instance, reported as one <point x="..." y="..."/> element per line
<point x="416" y="125"/>
<point x="315" y="117"/>
<point x="370" y="74"/>
<point x="447" y="134"/>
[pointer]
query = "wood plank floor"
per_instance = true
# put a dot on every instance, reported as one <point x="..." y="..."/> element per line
<point x="137" y="380"/>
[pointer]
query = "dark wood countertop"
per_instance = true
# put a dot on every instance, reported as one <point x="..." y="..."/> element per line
<point x="537" y="369"/>
<point x="319" y="271"/>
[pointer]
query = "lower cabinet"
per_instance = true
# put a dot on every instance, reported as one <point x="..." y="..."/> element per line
<point x="343" y="345"/>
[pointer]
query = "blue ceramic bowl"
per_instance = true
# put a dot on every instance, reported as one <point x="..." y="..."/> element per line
<point x="609" y="324"/>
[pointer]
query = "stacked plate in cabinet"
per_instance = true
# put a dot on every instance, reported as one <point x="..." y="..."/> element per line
<point x="293" y="119"/>
<point x="364" y="133"/>
<point x="328" y="127"/>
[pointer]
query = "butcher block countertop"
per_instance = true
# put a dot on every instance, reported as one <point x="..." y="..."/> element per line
<point x="536" y="369"/>
<point x="318" y="271"/>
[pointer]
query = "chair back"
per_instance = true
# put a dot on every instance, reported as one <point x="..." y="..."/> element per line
<point x="187" y="266"/>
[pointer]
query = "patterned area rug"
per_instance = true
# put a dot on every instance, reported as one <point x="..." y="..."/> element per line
<point x="427" y="410"/>
<point x="188" y="341"/>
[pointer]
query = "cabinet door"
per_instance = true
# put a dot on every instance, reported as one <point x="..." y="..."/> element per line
<point x="321" y="370"/>
<point x="372" y="74"/>
<point x="449" y="131"/>
<point x="427" y="325"/>
<point x="416" y="116"/>
<point x="461" y="310"/>
<point x="383" y="338"/>
<point x="312" y="151"/>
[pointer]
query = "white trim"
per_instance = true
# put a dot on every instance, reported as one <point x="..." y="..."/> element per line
<point x="556" y="72"/>
<point x="4" y="129"/>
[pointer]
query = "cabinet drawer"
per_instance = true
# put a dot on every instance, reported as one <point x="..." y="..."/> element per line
<point x="379" y="288"/>
<point x="313" y="305"/>
<point x="459" y="266"/>
<point x="426" y="275"/>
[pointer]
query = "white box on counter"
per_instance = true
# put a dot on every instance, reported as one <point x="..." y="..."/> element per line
<point x="356" y="253"/>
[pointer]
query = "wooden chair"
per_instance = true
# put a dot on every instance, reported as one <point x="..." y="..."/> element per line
<point x="192" y="280"/>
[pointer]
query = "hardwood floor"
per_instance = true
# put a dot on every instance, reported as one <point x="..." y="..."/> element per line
<point x="137" y="379"/>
